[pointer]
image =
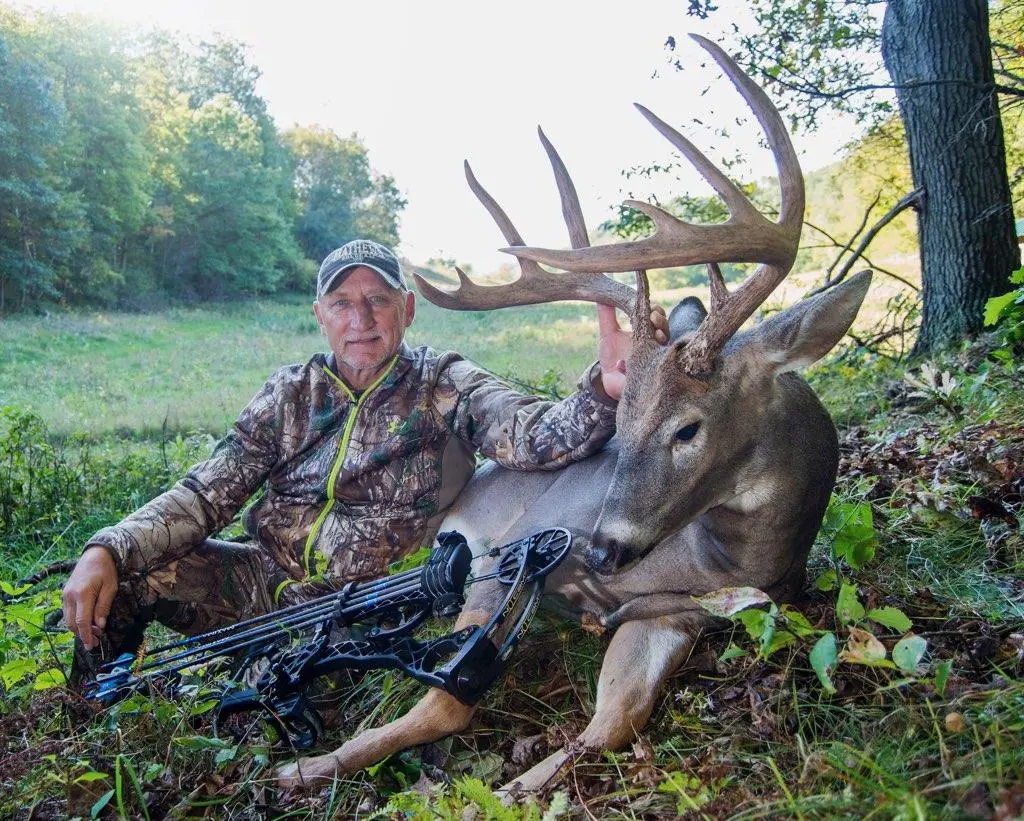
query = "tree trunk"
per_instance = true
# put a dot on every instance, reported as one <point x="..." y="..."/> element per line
<point x="938" y="54"/>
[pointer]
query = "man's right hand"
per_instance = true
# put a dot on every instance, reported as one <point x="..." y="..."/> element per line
<point x="89" y="594"/>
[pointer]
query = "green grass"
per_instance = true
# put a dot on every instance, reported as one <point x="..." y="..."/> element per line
<point x="194" y="369"/>
<point x="745" y="737"/>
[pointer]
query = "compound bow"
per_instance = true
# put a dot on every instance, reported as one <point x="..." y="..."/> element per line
<point x="378" y="618"/>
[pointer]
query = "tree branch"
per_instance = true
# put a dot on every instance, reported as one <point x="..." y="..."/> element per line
<point x="853" y="236"/>
<point x="836" y="244"/>
<point x="908" y="200"/>
<point x="815" y="91"/>
<point x="1009" y="90"/>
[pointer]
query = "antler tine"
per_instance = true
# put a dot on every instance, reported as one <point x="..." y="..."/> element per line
<point x="534" y="285"/>
<point x="572" y="213"/>
<point x="643" y="330"/>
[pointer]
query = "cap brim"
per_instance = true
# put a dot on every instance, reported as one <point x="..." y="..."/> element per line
<point x="332" y="278"/>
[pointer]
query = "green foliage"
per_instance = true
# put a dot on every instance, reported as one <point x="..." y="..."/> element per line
<point x="823" y="657"/>
<point x="776" y="628"/>
<point x="56" y="492"/>
<point x="32" y="656"/>
<point x="848" y="607"/>
<point x="690" y="791"/>
<point x="1007" y="312"/>
<point x="339" y="197"/>
<point x="41" y="220"/>
<point x="136" y="171"/>
<point x="469" y="798"/>
<point x="829" y="46"/>
<point x="37" y="485"/>
<point x="849" y="529"/>
<point x="891" y="617"/>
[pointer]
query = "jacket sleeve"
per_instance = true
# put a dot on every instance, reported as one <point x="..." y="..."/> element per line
<point x="519" y="431"/>
<point x="206" y="499"/>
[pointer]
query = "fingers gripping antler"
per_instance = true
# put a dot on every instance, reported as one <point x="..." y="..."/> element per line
<point x="535" y="285"/>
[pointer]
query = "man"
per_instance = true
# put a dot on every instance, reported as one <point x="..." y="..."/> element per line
<point x="358" y="453"/>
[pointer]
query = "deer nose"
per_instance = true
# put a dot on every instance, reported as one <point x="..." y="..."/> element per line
<point x="604" y="554"/>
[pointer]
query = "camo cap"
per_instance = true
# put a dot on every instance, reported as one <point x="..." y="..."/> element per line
<point x="360" y="252"/>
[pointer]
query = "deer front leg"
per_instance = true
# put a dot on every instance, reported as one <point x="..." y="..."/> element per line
<point x="641" y="655"/>
<point x="434" y="716"/>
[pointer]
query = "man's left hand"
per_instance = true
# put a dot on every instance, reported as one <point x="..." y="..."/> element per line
<point x="614" y="346"/>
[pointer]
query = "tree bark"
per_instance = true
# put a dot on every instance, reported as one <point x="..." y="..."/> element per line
<point x="938" y="54"/>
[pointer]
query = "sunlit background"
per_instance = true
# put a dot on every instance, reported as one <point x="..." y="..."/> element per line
<point x="427" y="85"/>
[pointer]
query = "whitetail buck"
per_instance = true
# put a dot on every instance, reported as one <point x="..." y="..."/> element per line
<point x="718" y="476"/>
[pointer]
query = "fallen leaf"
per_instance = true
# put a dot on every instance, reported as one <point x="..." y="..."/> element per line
<point x="1010" y="803"/>
<point x="908" y="653"/>
<point x="848" y="607"/>
<point x="591" y="624"/>
<point x="864" y="648"/>
<point x="982" y="508"/>
<point x="890" y="617"/>
<point x="823" y="660"/>
<point x="527" y="751"/>
<point x="643" y="750"/>
<point x="728" y="601"/>
<point x="975" y="802"/>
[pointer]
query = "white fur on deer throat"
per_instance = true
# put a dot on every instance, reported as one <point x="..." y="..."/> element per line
<point x="750" y="498"/>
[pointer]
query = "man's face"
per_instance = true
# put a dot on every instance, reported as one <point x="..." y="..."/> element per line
<point x="364" y="320"/>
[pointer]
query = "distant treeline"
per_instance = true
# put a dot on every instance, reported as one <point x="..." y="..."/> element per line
<point x="140" y="170"/>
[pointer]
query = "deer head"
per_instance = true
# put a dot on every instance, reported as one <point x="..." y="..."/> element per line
<point x="692" y="441"/>
<point x="701" y="419"/>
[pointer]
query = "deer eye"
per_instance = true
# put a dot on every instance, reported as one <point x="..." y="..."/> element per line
<point x="687" y="432"/>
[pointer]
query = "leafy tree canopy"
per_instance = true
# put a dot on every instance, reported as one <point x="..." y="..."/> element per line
<point x="134" y="171"/>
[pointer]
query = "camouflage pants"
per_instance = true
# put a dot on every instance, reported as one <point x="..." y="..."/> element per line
<point x="218" y="584"/>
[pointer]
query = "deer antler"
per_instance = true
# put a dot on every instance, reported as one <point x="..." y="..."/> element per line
<point x="747" y="236"/>
<point x="534" y="285"/>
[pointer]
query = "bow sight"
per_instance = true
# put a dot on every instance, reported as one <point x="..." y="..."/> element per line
<point x="376" y="620"/>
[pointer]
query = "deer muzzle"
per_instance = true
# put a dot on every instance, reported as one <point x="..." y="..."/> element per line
<point x="611" y="547"/>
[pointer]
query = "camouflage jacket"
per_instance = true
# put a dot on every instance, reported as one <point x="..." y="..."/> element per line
<point x="352" y="482"/>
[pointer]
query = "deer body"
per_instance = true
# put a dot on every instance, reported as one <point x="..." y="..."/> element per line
<point x="756" y="532"/>
<point x="719" y="473"/>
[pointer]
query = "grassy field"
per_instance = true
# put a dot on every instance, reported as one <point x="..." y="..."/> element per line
<point x="916" y="576"/>
<point x="196" y="368"/>
<point x="182" y="370"/>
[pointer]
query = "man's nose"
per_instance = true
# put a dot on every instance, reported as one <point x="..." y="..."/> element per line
<point x="362" y="318"/>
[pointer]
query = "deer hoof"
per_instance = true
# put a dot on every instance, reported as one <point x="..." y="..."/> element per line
<point x="308" y="773"/>
<point x="536" y="779"/>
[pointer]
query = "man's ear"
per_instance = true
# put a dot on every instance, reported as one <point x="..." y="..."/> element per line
<point x="410" y="307"/>
<point x="316" y="313"/>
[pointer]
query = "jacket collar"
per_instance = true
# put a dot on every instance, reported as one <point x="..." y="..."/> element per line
<point x="396" y="370"/>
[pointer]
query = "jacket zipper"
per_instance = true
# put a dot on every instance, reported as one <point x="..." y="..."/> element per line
<point x="309" y="556"/>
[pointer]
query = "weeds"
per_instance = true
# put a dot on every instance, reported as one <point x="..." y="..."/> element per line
<point x="894" y="689"/>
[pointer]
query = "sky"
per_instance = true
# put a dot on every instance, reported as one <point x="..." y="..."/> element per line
<point x="426" y="85"/>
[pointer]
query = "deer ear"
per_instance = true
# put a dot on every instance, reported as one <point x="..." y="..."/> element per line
<point x="805" y="332"/>
<point x="686" y="317"/>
